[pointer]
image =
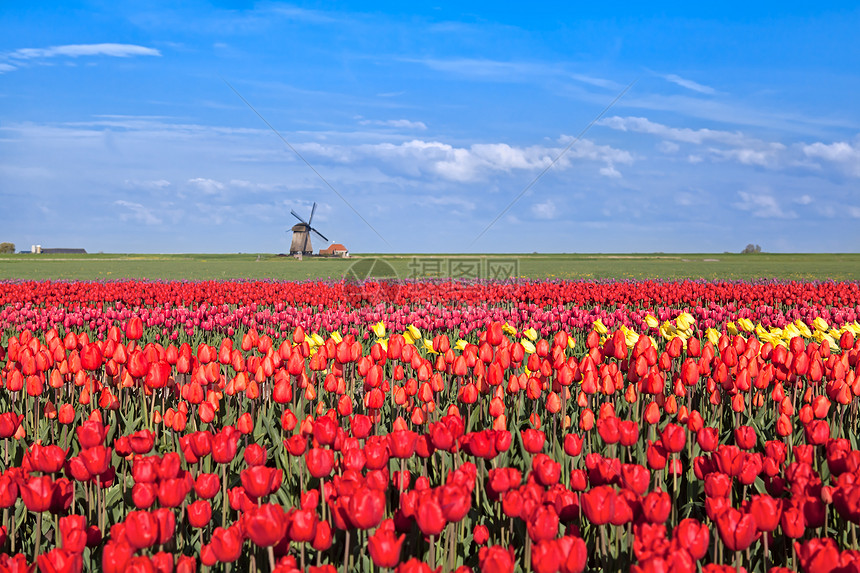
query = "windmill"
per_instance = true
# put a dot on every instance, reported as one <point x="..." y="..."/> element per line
<point x="301" y="243"/>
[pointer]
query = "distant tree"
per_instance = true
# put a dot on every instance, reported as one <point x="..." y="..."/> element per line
<point x="7" y="248"/>
<point x="749" y="249"/>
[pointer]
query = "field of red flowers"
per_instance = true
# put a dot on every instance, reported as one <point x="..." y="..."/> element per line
<point x="430" y="426"/>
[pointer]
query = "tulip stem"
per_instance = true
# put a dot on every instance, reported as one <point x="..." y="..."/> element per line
<point x="432" y="552"/>
<point x="38" y="543"/>
<point x="346" y="553"/>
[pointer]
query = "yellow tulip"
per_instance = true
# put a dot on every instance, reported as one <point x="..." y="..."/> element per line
<point x="803" y="329"/>
<point x="600" y="327"/>
<point x="509" y="330"/>
<point x="651" y="321"/>
<point x="428" y="346"/>
<point x="530" y="333"/>
<point x="413" y="330"/>
<point x="461" y="345"/>
<point x="790" y="331"/>
<point x="379" y="329"/>
<point x="653" y="342"/>
<point x="854" y="327"/>
<point x="384" y="343"/>
<point x="407" y="338"/>
<point x="316" y="340"/>
<point x="746" y="324"/>
<point x="834" y="345"/>
<point x="528" y="346"/>
<point x="731" y="328"/>
<point x="571" y="341"/>
<point x="684" y="321"/>
<point x="336" y="337"/>
<point x="668" y="330"/>
<point x="713" y="335"/>
<point x="820" y="324"/>
<point x="630" y="336"/>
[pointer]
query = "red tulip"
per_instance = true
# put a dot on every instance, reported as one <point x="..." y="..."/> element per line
<point x="60" y="561"/>
<point x="674" y="438"/>
<point x="401" y="443"/>
<point x="429" y="516"/>
<point x="199" y="513"/>
<point x="384" y="545"/>
<point x="260" y="481"/>
<point x="303" y="525"/>
<point x="737" y="530"/>
<point x="545" y="557"/>
<point x="693" y="536"/>
<point x="224" y="447"/>
<point x="818" y="555"/>
<point x="115" y="556"/>
<point x="9" y="424"/>
<point x="226" y="544"/>
<point x="366" y="508"/>
<point x="319" y="462"/>
<point x="141" y="529"/>
<point x="37" y="493"/>
<point x="767" y="512"/>
<point x="46" y="459"/>
<point x="533" y="440"/>
<point x="598" y="504"/>
<point x="496" y="559"/>
<point x="656" y="506"/>
<point x="265" y="525"/>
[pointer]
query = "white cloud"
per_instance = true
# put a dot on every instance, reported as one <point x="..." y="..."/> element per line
<point x="854" y="212"/>
<point x="747" y="156"/>
<point x="546" y="210"/>
<point x="148" y="184"/>
<point x="13" y="60"/>
<point x="689" y="84"/>
<point x="610" y="171"/>
<point x="803" y="200"/>
<point x="684" y="134"/>
<point x="668" y="147"/>
<point x="137" y="212"/>
<point x="842" y="153"/>
<point x="78" y="50"/>
<point x="684" y="199"/>
<point x="397" y="123"/>
<point x="762" y="205"/>
<point x="207" y="186"/>
<point x="473" y="163"/>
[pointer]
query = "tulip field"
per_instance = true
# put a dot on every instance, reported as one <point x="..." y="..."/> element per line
<point x="433" y="425"/>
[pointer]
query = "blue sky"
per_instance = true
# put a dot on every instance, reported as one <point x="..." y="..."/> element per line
<point x="118" y="132"/>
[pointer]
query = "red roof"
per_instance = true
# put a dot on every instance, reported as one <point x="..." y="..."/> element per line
<point x="333" y="249"/>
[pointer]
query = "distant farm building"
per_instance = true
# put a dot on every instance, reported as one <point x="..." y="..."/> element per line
<point x="335" y="250"/>
<point x="39" y="250"/>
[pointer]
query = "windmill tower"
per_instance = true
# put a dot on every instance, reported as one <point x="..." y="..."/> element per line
<point x="301" y="243"/>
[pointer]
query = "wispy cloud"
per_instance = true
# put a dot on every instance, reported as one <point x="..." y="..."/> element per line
<point x="689" y="84"/>
<point x="762" y="205"/>
<point x="546" y="210"/>
<point x="137" y="212"/>
<point x="396" y="123"/>
<point x="21" y="57"/>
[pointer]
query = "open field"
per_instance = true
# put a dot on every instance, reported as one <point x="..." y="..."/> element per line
<point x="537" y="266"/>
